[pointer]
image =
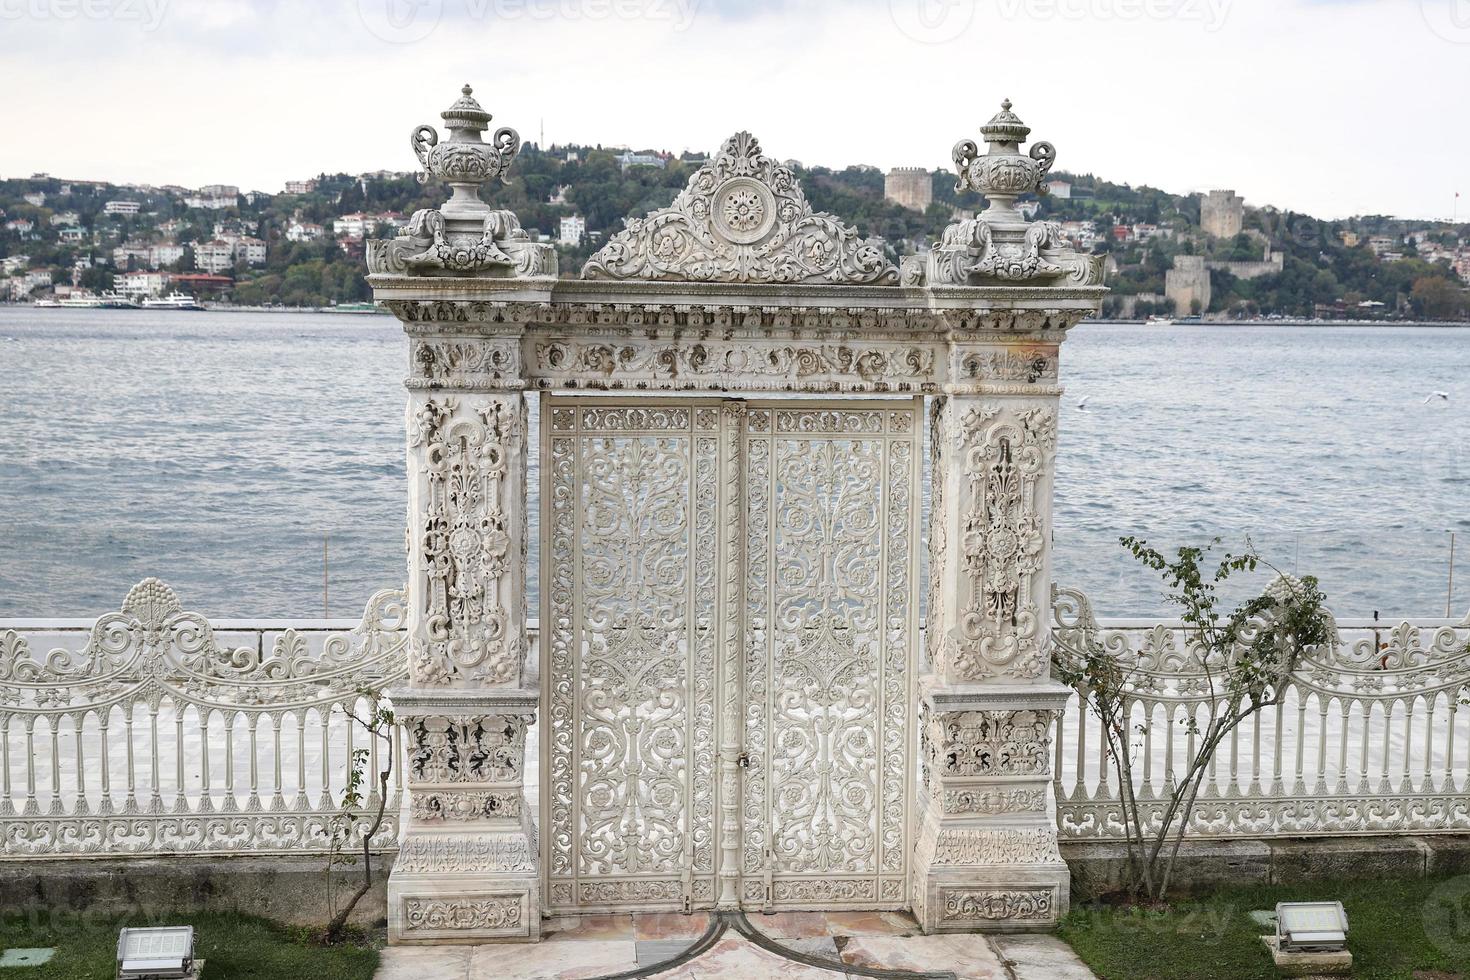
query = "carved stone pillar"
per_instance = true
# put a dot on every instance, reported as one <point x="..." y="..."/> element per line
<point x="987" y="855"/>
<point x="466" y="870"/>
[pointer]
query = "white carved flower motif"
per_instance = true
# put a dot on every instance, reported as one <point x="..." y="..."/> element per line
<point x="744" y="210"/>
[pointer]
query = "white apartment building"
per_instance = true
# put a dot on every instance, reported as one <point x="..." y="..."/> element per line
<point x="121" y="207"/>
<point x="165" y="254"/>
<point x="214" y="257"/>
<point x="140" y="285"/>
<point x="358" y="225"/>
<point x="573" y="230"/>
<point x="303" y="231"/>
<point x="249" y="250"/>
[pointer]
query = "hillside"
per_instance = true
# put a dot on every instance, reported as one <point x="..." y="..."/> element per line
<point x="304" y="248"/>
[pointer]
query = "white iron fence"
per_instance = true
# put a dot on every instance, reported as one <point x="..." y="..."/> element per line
<point x="152" y="731"/>
<point x="1369" y="738"/>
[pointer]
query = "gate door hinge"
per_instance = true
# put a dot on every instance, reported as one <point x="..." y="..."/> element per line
<point x="743" y="760"/>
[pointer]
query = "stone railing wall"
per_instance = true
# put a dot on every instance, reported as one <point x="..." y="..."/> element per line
<point x="1369" y="739"/>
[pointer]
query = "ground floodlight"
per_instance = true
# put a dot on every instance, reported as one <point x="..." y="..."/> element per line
<point x="1311" y="927"/>
<point x="163" y="953"/>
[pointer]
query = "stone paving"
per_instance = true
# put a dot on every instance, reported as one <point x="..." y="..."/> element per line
<point x="591" y="946"/>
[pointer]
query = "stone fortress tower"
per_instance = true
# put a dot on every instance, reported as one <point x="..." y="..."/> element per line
<point x="1222" y="214"/>
<point x="910" y="187"/>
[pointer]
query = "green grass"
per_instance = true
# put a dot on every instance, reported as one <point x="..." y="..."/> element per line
<point x="1395" y="929"/>
<point x="234" y="946"/>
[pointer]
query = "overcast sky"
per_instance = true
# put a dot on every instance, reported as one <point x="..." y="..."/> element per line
<point x="1331" y="107"/>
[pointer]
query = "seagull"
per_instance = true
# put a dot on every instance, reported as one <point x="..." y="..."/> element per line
<point x="1436" y="394"/>
<point x="1082" y="403"/>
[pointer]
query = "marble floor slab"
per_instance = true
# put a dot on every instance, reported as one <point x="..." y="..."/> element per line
<point x="592" y="946"/>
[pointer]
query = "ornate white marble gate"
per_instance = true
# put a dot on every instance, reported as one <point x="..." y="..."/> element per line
<point x="727" y="693"/>
<point x="730" y="647"/>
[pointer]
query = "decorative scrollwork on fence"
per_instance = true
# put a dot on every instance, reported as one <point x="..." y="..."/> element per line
<point x="155" y="736"/>
<point x="1368" y="738"/>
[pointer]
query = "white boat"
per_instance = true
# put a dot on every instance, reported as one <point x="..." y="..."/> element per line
<point x="173" y="301"/>
<point x="46" y="303"/>
<point x="1159" y="321"/>
<point x="84" y="301"/>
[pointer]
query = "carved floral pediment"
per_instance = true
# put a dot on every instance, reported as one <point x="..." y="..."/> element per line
<point x="742" y="218"/>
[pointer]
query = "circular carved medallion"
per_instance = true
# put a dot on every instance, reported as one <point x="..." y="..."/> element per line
<point x="744" y="210"/>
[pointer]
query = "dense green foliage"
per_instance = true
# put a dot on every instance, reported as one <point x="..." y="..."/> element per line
<point x="1320" y="269"/>
<point x="1398" y="930"/>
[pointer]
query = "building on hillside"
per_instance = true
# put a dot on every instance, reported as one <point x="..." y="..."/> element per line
<point x="357" y="226"/>
<point x="1381" y="245"/>
<point x="1082" y="234"/>
<point x="65" y="218"/>
<point x="21" y="226"/>
<point x="249" y="250"/>
<point x="1350" y="239"/>
<point x="72" y="235"/>
<point x="909" y="187"/>
<point x="1059" y="189"/>
<point x="1187" y="285"/>
<point x="164" y="253"/>
<point x="209" y="203"/>
<point x="35" y="198"/>
<point x="303" y="231"/>
<point x="11" y="263"/>
<point x="560" y="196"/>
<point x="1222" y="214"/>
<point x="22" y="286"/>
<point x="300" y="186"/>
<point x="140" y="285"/>
<point x="630" y="159"/>
<point x="1461" y="265"/>
<point x="122" y="207"/>
<point x="573" y="229"/>
<point x="214" y="257"/>
<point x="131" y="252"/>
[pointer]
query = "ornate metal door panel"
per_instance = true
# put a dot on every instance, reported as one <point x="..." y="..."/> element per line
<point x="629" y="500"/>
<point x="668" y="653"/>
<point x="831" y="624"/>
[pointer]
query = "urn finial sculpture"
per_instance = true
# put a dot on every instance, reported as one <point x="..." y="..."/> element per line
<point x="998" y="246"/>
<point x="1003" y="174"/>
<point x="465" y="236"/>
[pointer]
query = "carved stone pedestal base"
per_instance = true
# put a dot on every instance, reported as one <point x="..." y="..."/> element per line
<point x="466" y="871"/>
<point x="987" y="856"/>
